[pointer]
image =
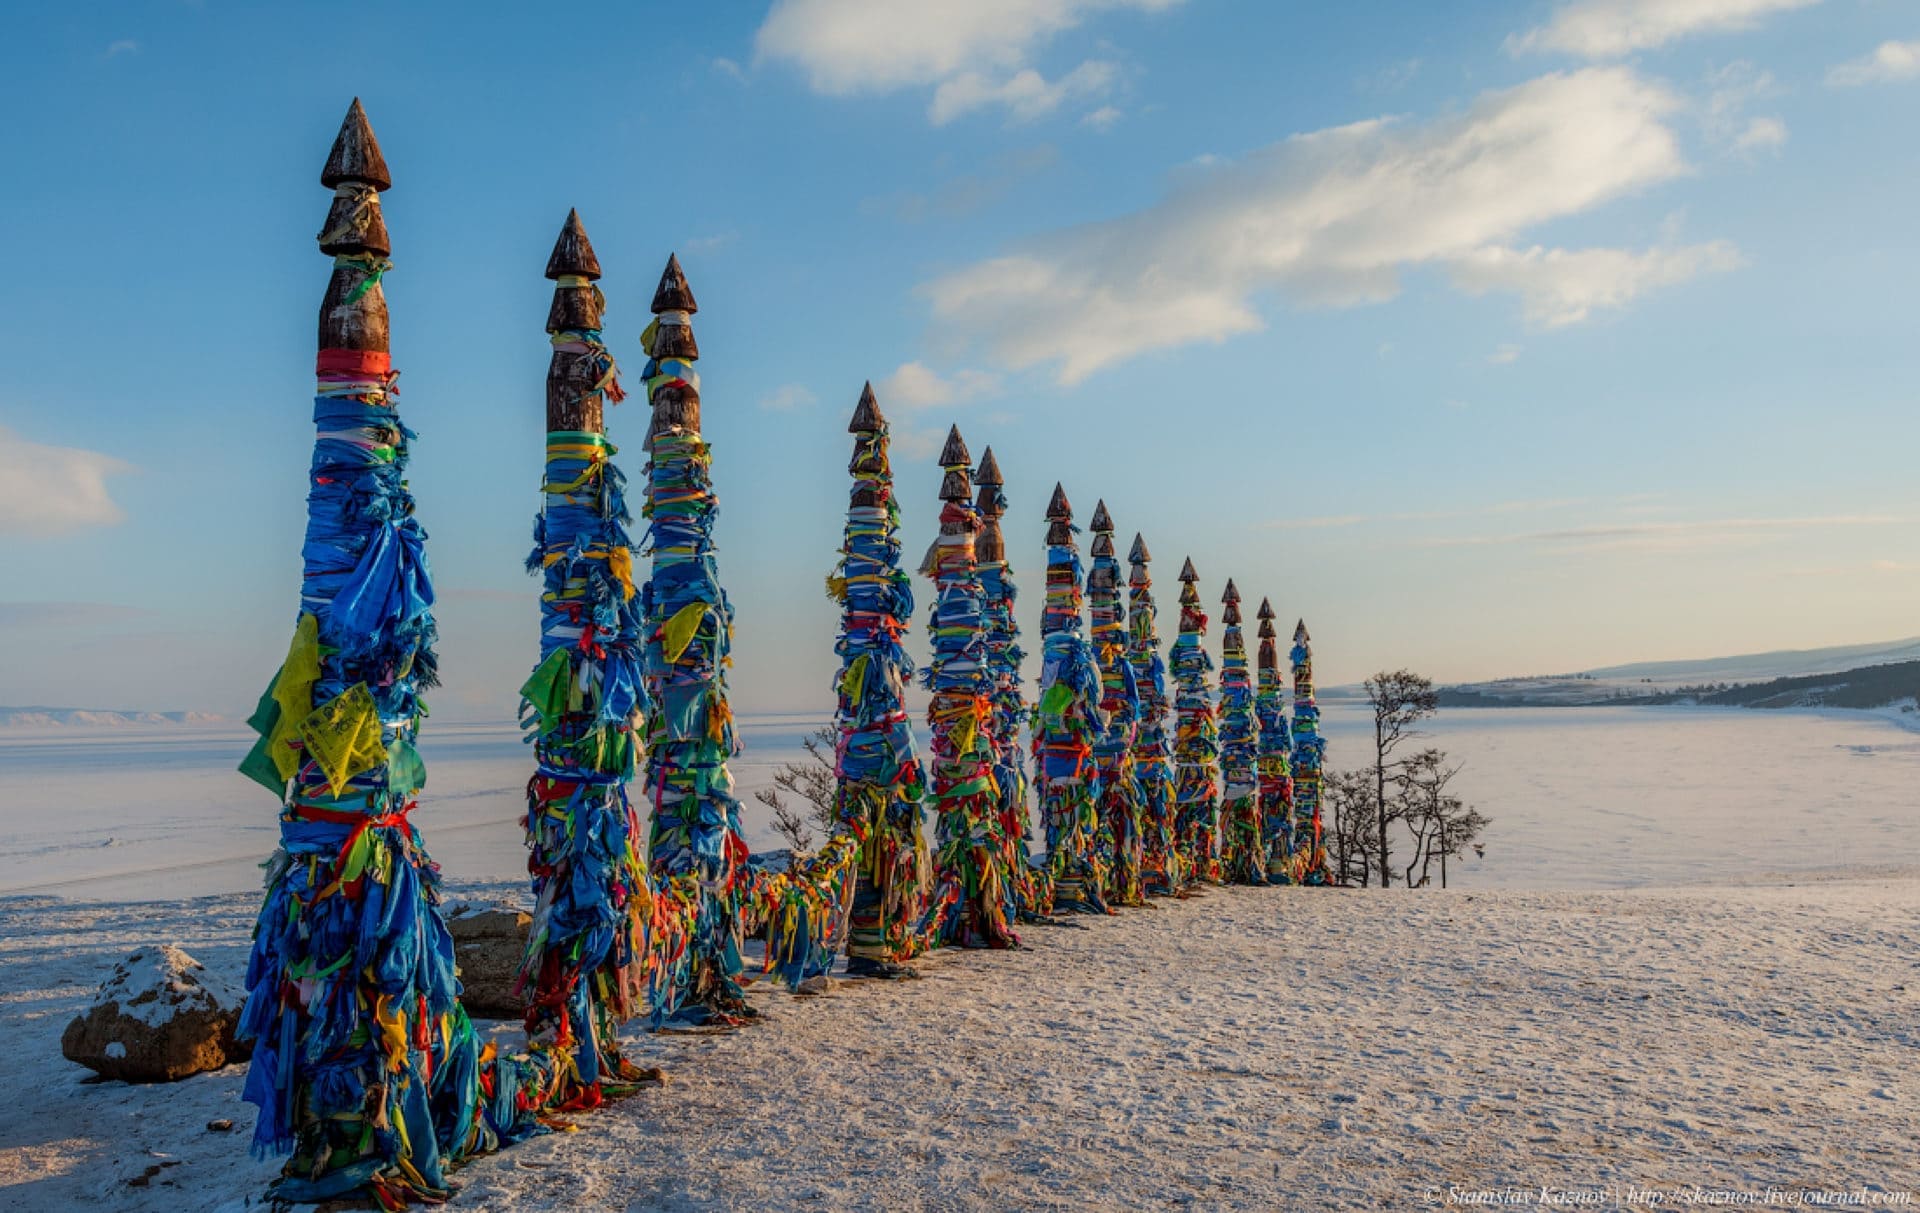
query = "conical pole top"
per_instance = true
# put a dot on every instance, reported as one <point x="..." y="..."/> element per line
<point x="1300" y="633"/>
<point x="989" y="470"/>
<point x="866" y="414"/>
<point x="1058" y="508"/>
<point x="673" y="293"/>
<point x="1186" y="572"/>
<point x="1266" y="627"/>
<point x="1102" y="521"/>
<point x="573" y="252"/>
<point x="1138" y="554"/>
<point x="954" y="454"/>
<point x="1266" y="610"/>
<point x="356" y="154"/>
<point x="1232" y="594"/>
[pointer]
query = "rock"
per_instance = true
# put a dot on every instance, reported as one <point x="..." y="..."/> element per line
<point x="160" y="1017"/>
<point x="488" y="944"/>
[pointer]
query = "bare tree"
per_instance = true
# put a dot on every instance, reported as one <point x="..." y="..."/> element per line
<point x="1400" y="699"/>
<point x="815" y="782"/>
<point x="1443" y="824"/>
<point x="1346" y="806"/>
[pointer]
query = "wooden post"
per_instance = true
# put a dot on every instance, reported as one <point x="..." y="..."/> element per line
<point x="1161" y="873"/>
<point x="1196" y="745"/>
<point x="363" y="1107"/>
<point x="1274" y="765"/>
<point x="1116" y="791"/>
<point x="1028" y="884"/>
<point x="696" y="850"/>
<point x="589" y="965"/>
<point x="1310" y="854"/>
<point x="1064" y="727"/>
<point x="1244" y="859"/>
<point x="880" y="780"/>
<point x="971" y="865"/>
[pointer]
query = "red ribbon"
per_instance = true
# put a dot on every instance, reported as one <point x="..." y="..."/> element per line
<point x="374" y="364"/>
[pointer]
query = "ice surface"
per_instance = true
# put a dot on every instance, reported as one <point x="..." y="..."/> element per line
<point x="1579" y="797"/>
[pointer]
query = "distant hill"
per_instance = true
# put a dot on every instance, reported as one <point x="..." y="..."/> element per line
<point x="54" y="718"/>
<point x="1872" y="686"/>
<point x="1753" y="667"/>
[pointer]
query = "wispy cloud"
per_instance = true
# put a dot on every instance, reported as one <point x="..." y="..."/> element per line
<point x="50" y="490"/>
<point x="708" y="243"/>
<point x="726" y="67"/>
<point x="915" y="385"/>
<point x="788" y="397"/>
<point x="1505" y="355"/>
<point x="1667" y="536"/>
<point x="1731" y="91"/>
<point x="122" y="46"/>
<point x="1889" y="61"/>
<point x="1331" y="218"/>
<point x="1314" y="524"/>
<point x="969" y="193"/>
<point x="1559" y="287"/>
<point x="974" y="53"/>
<point x="1102" y="119"/>
<point x="1609" y="29"/>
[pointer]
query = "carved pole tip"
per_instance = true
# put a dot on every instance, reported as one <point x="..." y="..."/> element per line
<point x="356" y="154"/>
<point x="1186" y="572"/>
<point x="573" y="254"/>
<point x="866" y="414"/>
<point x="673" y="293"/>
<point x="1139" y="553"/>
<point x="1266" y="609"/>
<point x="954" y="453"/>
<point x="989" y="470"/>
<point x="1300" y="633"/>
<point x="1058" y="507"/>
<point x="1102" y="521"/>
<point x="1232" y="594"/>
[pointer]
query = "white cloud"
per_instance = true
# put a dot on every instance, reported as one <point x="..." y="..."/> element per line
<point x="976" y="52"/>
<point x="48" y="490"/>
<point x="788" y="397"/>
<point x="1723" y="115"/>
<point x="1027" y="95"/>
<point x="1889" y="61"/>
<point x="728" y="68"/>
<point x="1505" y="355"/>
<point x="915" y="385"/>
<point x="1608" y="29"/>
<point x="123" y="46"/>
<point x="1329" y="217"/>
<point x="1761" y="133"/>
<point x="1559" y="287"/>
<point x="1101" y="119"/>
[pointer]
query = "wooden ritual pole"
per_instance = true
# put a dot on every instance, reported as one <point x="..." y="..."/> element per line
<point x="695" y="848"/>
<point x="364" y="1067"/>
<point x="1028" y="883"/>
<point x="1064" y="726"/>
<point x="880" y="781"/>
<point x="971" y="864"/>
<point x="1309" y="852"/>
<point x="1274" y="766"/>
<point x="1196" y="743"/>
<point x="1116" y="790"/>
<point x="1245" y="859"/>
<point x="1161" y="871"/>
<point x="588" y="965"/>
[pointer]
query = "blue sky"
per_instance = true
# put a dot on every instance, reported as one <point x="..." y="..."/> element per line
<point x="1492" y="339"/>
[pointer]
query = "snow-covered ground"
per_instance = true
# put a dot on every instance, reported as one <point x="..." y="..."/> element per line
<point x="1246" y="1049"/>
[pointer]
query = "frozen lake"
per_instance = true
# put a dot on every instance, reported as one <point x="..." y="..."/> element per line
<point x="1580" y="798"/>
